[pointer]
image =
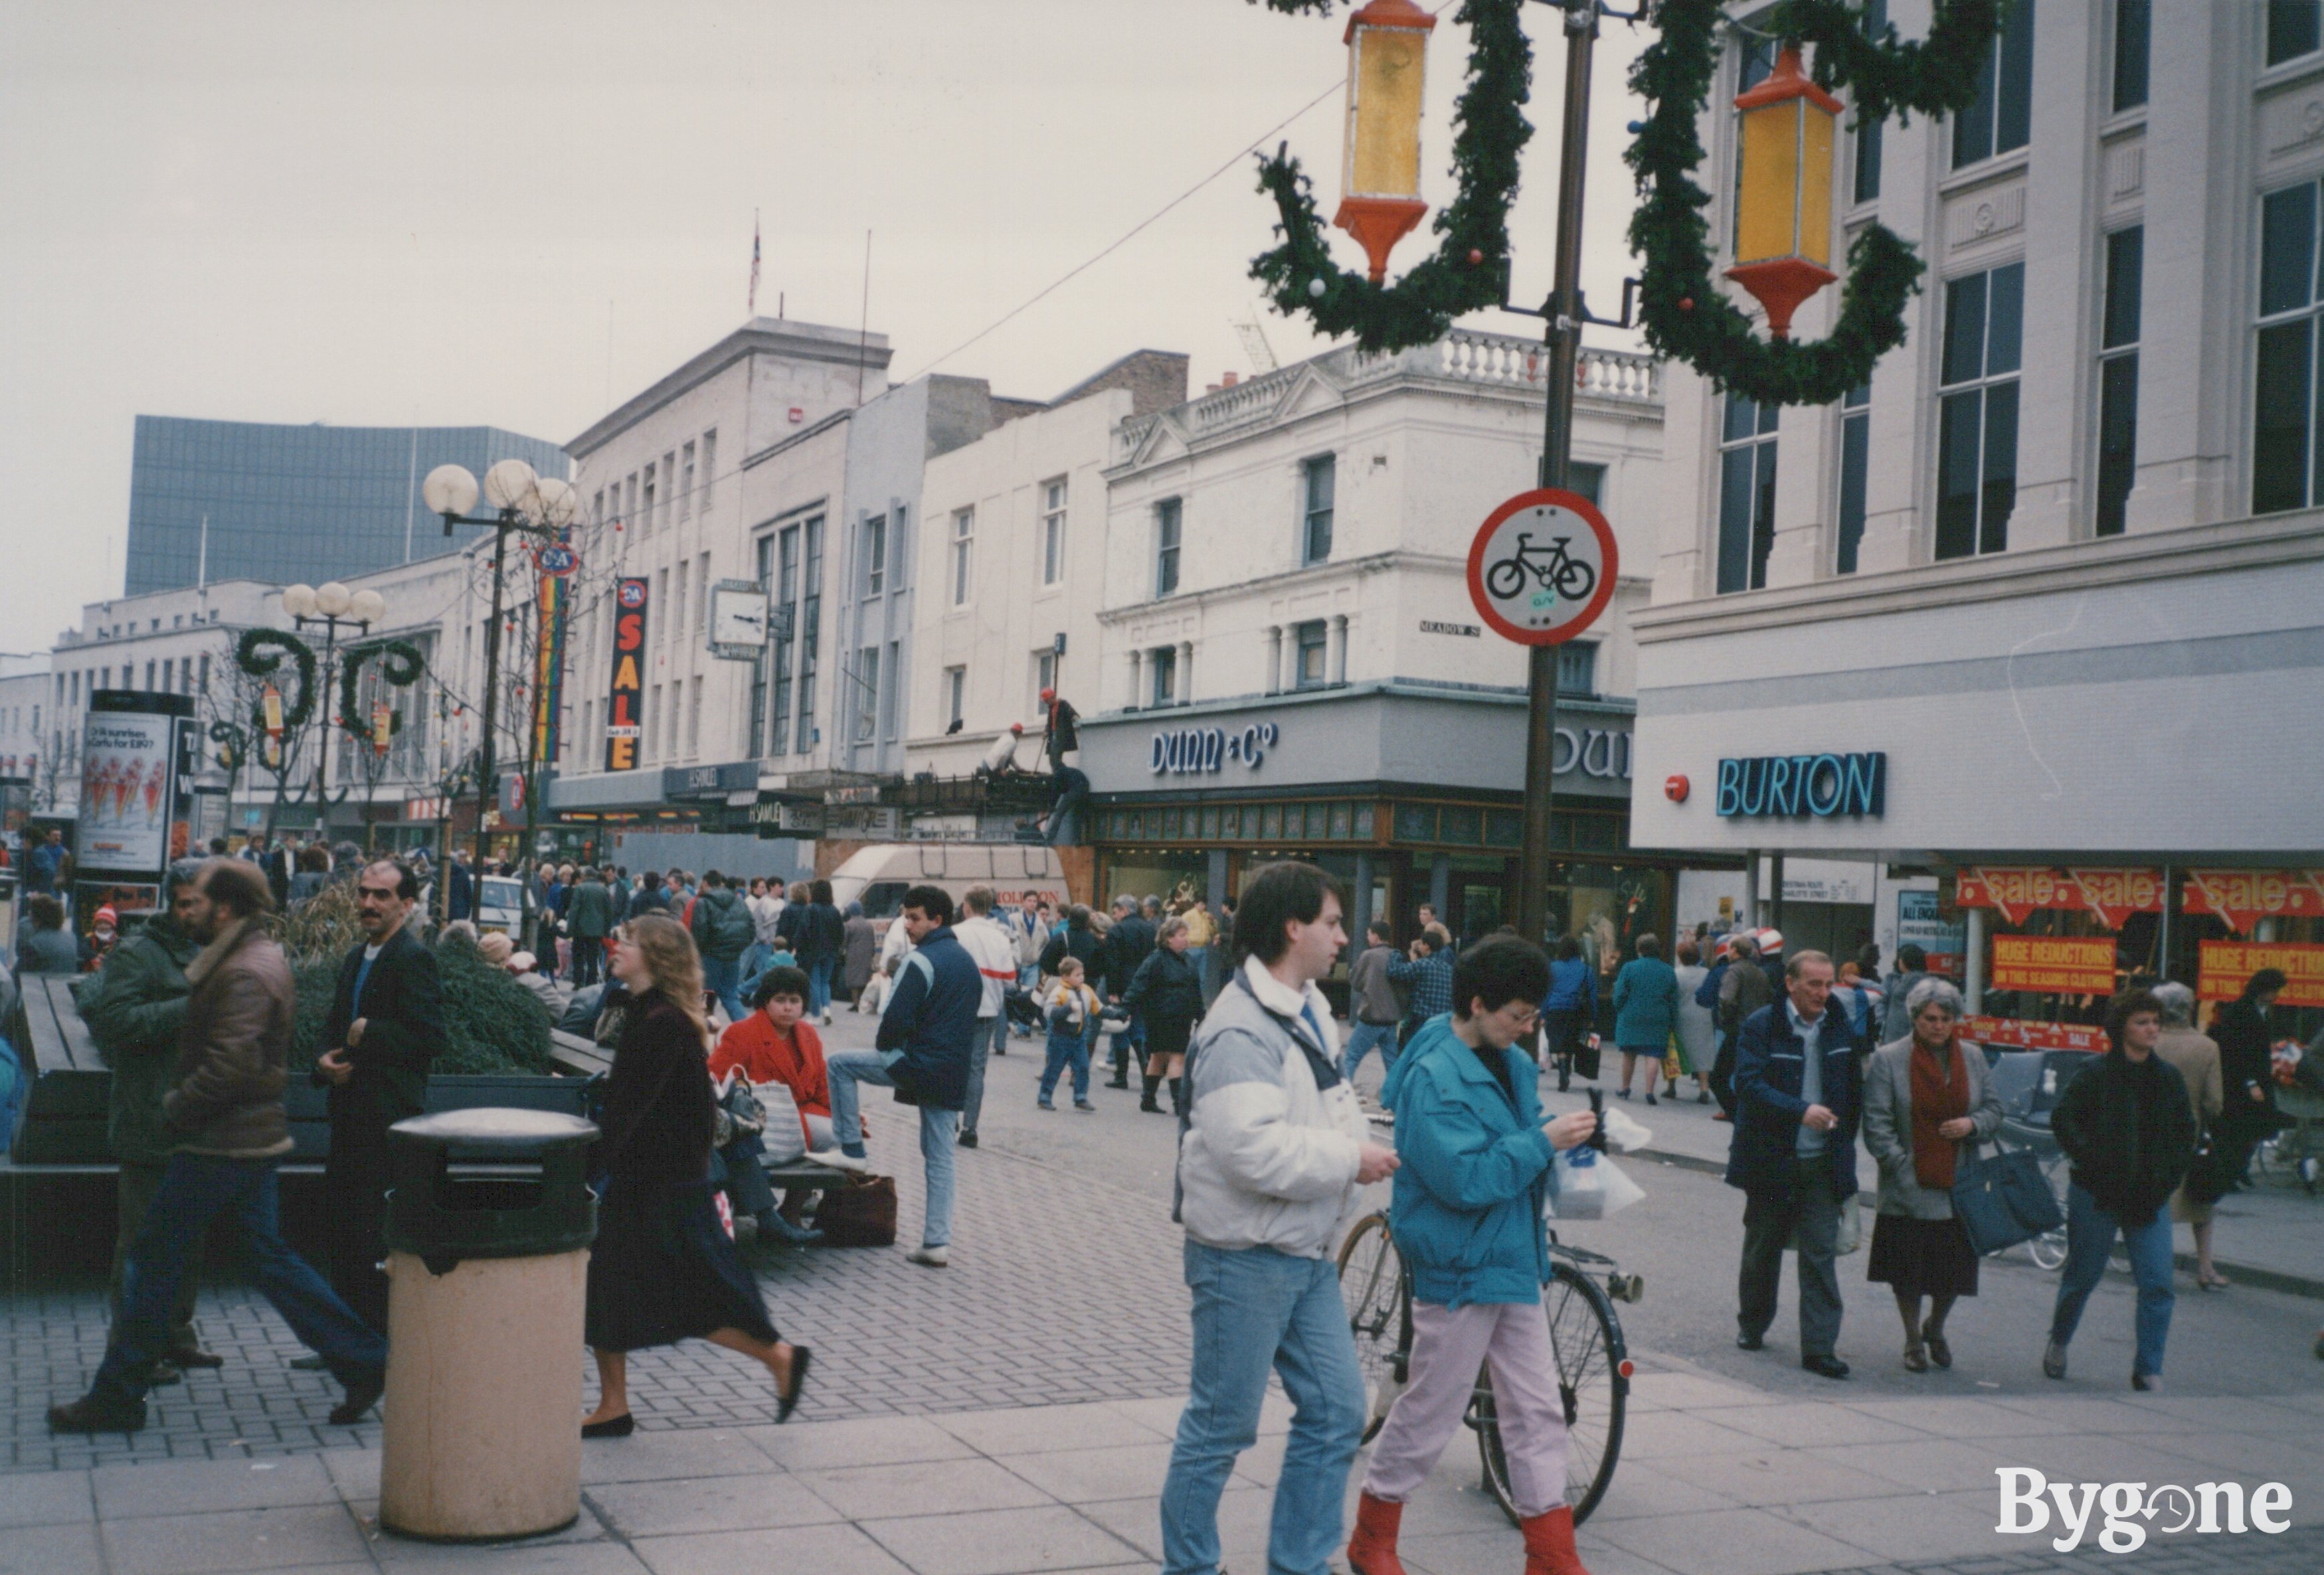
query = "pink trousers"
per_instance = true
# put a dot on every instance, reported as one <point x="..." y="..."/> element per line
<point x="1449" y="1346"/>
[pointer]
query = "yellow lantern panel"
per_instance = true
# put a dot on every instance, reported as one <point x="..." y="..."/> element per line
<point x="1385" y="79"/>
<point x="1784" y="207"/>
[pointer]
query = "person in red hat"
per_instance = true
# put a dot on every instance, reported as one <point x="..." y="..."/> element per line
<point x="105" y="933"/>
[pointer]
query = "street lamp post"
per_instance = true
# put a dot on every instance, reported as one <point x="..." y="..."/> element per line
<point x="328" y="607"/>
<point x="532" y="505"/>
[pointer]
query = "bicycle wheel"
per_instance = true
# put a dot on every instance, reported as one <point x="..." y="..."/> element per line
<point x="1575" y="580"/>
<point x="1593" y="1379"/>
<point x="1506" y="578"/>
<point x="1372" y="1290"/>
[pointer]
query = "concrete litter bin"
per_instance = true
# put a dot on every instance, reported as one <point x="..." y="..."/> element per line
<point x="489" y="1223"/>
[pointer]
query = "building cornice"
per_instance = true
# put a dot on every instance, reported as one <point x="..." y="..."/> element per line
<point x="768" y="336"/>
<point x="2270" y="541"/>
<point x="1391" y="688"/>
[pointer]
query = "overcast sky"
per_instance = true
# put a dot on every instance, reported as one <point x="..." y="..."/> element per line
<point x="490" y="212"/>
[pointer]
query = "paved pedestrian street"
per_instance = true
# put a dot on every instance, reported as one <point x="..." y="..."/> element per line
<point x="1013" y="1413"/>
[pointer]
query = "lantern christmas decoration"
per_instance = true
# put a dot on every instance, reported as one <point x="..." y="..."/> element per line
<point x="383" y="727"/>
<point x="1783" y="215"/>
<point x="1379" y="174"/>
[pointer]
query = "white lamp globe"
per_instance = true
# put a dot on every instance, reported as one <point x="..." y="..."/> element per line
<point x="299" y="601"/>
<point x="449" y="489"/>
<point x="331" y="599"/>
<point x="509" y="483"/>
<point x="558" y="502"/>
<point x="367" y="606"/>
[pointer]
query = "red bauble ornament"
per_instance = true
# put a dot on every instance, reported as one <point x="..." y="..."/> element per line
<point x="1686" y="303"/>
<point x="1475" y="256"/>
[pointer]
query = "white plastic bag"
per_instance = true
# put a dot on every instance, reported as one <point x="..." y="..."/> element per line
<point x="785" y="1139"/>
<point x="1590" y="1186"/>
<point x="1624" y="1134"/>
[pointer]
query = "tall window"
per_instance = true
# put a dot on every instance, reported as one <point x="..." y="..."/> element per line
<point x="1854" y="463"/>
<point x="786" y="611"/>
<point x="955" y="686"/>
<point x="1866" y="177"/>
<point x="875" y="555"/>
<point x="1164" y="661"/>
<point x="810" y="618"/>
<point x="963" y="546"/>
<point x="1746" y="493"/>
<point x="2132" y="26"/>
<point x="2119" y="376"/>
<point x="890" y="710"/>
<point x="2293" y="30"/>
<point x="1045" y="673"/>
<point x="1588" y="480"/>
<point x="668" y="488"/>
<point x="1977" y="424"/>
<point x="762" y="569"/>
<point x="1312" y="649"/>
<point x="867" y="694"/>
<point x="1577" y="667"/>
<point x="1052" y="531"/>
<point x="1316" y="535"/>
<point x="701" y="596"/>
<point x="709" y="468"/>
<point x="2000" y="118"/>
<point x="646" y="505"/>
<point x="694" y="718"/>
<point x="2286" y="456"/>
<point x="1168" y="516"/>
<point x="686" y="482"/>
<point x="682" y="608"/>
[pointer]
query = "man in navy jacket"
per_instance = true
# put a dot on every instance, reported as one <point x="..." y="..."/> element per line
<point x="922" y="1053"/>
<point x="1793" y="1155"/>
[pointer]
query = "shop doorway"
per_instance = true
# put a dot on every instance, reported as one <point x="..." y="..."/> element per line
<point x="1838" y="929"/>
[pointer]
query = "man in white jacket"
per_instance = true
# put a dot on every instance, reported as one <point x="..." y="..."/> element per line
<point x="994" y="952"/>
<point x="1272" y="1151"/>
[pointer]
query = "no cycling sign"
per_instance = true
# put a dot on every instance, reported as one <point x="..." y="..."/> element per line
<point x="1543" y="566"/>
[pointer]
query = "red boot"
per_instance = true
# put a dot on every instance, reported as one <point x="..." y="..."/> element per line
<point x="1549" y="1543"/>
<point x="1372" y="1549"/>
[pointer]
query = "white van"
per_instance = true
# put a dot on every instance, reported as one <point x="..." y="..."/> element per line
<point x="878" y="877"/>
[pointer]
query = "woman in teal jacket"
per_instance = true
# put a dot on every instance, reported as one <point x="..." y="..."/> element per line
<point x="1645" y="1011"/>
<point x="1475" y="1153"/>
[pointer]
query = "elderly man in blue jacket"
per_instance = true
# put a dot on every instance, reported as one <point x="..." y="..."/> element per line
<point x="922" y="1052"/>
<point x="1476" y="1155"/>
<point x="1793" y="1155"/>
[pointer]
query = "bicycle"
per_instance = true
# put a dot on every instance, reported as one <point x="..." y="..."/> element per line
<point x="1593" y="1364"/>
<point x="1557" y="571"/>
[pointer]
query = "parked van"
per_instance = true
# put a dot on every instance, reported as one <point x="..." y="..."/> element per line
<point x="878" y="877"/>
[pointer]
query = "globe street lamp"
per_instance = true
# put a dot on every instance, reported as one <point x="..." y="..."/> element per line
<point x="534" y="505"/>
<point x="328" y="607"/>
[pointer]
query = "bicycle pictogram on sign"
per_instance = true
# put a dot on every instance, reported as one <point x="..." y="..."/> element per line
<point x="1542" y="568"/>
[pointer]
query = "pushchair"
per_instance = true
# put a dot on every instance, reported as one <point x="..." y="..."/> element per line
<point x="1024" y="1012"/>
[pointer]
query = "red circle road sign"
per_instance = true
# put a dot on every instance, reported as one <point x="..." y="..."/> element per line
<point x="1543" y="566"/>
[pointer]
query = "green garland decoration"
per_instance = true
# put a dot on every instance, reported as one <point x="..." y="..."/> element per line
<point x="1685" y="315"/>
<point x="400" y="664"/>
<point x="251" y="653"/>
<point x="1471" y="264"/>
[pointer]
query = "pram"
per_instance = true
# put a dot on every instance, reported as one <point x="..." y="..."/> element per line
<point x="1023" y="1010"/>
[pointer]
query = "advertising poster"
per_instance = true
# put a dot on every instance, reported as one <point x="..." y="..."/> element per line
<point x="2054" y="964"/>
<point x="625" y="704"/>
<point x="2227" y="965"/>
<point x="1922" y="921"/>
<point x="126" y="794"/>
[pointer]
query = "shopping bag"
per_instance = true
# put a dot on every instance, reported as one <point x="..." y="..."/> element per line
<point x="1590" y="1186"/>
<point x="1848" y="1228"/>
<point x="784" y="1138"/>
<point x="862" y="1213"/>
<point x="2002" y="1200"/>
<point x="1624" y="1133"/>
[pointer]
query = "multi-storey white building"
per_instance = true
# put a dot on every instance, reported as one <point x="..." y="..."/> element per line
<point x="2059" y="571"/>
<point x="25" y="708"/>
<point x="1288" y="659"/>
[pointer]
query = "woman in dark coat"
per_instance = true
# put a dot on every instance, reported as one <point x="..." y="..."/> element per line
<point x="2247" y="1115"/>
<point x="822" y="946"/>
<point x="1168" y="991"/>
<point x="663" y="1268"/>
<point x="863" y="950"/>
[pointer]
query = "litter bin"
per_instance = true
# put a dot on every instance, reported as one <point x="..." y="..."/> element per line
<point x="489" y="1222"/>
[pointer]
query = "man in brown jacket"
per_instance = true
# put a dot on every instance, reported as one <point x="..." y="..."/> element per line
<point x="224" y="1114"/>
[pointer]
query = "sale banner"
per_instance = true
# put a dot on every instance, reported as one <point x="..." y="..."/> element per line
<point x="2243" y="897"/>
<point x="2054" y="964"/>
<point x="625" y="701"/>
<point x="2017" y="891"/>
<point x="2021" y="1033"/>
<point x="2227" y="965"/>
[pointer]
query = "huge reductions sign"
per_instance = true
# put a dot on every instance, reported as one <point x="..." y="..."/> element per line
<point x="2227" y="966"/>
<point x="626" y="706"/>
<point x="2054" y="964"/>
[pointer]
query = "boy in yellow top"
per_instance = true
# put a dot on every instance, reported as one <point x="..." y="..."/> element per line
<point x="1072" y="1007"/>
<point x="1202" y="933"/>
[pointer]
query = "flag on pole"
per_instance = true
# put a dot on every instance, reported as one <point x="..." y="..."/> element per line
<point x="755" y="262"/>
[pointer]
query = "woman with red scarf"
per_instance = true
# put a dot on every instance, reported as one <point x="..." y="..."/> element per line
<point x="1928" y="1101"/>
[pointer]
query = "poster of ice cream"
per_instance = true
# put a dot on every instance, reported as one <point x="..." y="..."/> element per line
<point x="126" y="799"/>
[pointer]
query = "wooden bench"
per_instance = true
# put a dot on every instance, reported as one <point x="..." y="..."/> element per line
<point x="66" y="1106"/>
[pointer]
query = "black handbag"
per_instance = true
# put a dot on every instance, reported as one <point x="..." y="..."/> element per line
<point x="2207" y="1180"/>
<point x="2002" y="1200"/>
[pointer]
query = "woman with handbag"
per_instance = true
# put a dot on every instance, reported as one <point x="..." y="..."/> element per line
<point x="1929" y="1100"/>
<point x="2196" y="1058"/>
<point x="663" y="1268"/>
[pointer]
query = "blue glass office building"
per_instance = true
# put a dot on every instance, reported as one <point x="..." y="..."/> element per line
<point x="288" y="503"/>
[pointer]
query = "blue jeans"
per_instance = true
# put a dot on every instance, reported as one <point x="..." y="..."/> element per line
<point x="1067" y="1050"/>
<point x="1255" y="1309"/>
<point x="756" y="960"/>
<point x="195" y="1190"/>
<point x="939" y="1129"/>
<point x="991" y="1038"/>
<point x="1362" y="1039"/>
<point x="722" y="977"/>
<point x="2089" y="1243"/>
<point x="819" y="971"/>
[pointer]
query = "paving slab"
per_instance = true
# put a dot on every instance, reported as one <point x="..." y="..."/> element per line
<point x="49" y="1498"/>
<point x="926" y="1488"/>
<point x="709" y="1504"/>
<point x="289" y="1538"/>
<point x="867" y="1441"/>
<point x="810" y="1550"/>
<point x="1733" y="1542"/>
<point x="52" y="1550"/>
<point x="1042" y="1430"/>
<point x="194" y="1487"/>
<point x="999" y="1541"/>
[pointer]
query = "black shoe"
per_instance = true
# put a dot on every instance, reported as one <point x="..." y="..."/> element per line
<point x="1564" y="1080"/>
<point x="1650" y="1097"/>
<point x="97" y="1412"/>
<point x="968" y="1140"/>
<point x="1751" y="1342"/>
<point x="190" y="1357"/>
<point x="773" y="1226"/>
<point x="787" y="1401"/>
<point x="1825" y="1366"/>
<point x="620" y="1426"/>
<point x="308" y="1364"/>
<point x="165" y="1373"/>
<point x="363" y="1393"/>
<point x="1123" y="1082"/>
<point x="1148" y="1104"/>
